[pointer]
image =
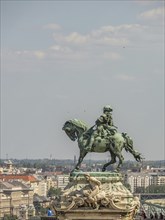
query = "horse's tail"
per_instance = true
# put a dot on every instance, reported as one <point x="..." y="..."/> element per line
<point x="128" y="143"/>
<point x="129" y="147"/>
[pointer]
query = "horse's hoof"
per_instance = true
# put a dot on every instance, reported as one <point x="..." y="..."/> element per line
<point x="74" y="170"/>
<point x="116" y="171"/>
<point x="77" y="169"/>
<point x="103" y="169"/>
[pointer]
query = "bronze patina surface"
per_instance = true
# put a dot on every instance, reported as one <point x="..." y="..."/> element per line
<point x="97" y="195"/>
<point x="100" y="138"/>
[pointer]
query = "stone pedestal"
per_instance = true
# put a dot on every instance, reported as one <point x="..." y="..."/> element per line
<point x="96" y="195"/>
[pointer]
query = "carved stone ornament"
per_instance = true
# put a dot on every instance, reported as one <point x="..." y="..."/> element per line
<point x="97" y="191"/>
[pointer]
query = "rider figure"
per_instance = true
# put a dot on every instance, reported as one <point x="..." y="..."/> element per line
<point x="105" y="122"/>
<point x="104" y="126"/>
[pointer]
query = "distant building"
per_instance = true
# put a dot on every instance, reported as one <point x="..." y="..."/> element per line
<point x="158" y="179"/>
<point x="16" y="199"/>
<point x="138" y="179"/>
<point x="42" y="188"/>
<point x="62" y="181"/>
<point x="29" y="179"/>
<point x="8" y="168"/>
<point x="37" y="185"/>
<point x="157" y="170"/>
<point x="145" y="178"/>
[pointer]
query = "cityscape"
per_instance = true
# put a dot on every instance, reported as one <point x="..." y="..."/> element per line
<point x="82" y="110"/>
<point x="28" y="187"/>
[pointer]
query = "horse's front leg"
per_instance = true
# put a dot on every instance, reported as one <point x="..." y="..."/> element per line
<point x="81" y="157"/>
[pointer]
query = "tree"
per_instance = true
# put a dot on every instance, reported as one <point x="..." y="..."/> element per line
<point x="9" y="217"/>
<point x="140" y="189"/>
<point x="54" y="192"/>
<point x="155" y="189"/>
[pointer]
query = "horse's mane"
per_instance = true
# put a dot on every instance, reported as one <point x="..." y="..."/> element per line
<point x="79" y="124"/>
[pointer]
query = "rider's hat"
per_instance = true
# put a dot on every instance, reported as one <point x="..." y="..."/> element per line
<point x="107" y="108"/>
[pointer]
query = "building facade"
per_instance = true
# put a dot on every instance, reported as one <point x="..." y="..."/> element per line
<point x="16" y="199"/>
<point x="144" y="179"/>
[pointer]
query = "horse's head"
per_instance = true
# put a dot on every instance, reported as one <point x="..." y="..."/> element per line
<point x="69" y="129"/>
<point x="74" y="128"/>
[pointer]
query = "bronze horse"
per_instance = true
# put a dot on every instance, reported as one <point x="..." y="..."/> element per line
<point x="77" y="129"/>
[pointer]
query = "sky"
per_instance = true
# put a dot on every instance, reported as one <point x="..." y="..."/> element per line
<point x="62" y="60"/>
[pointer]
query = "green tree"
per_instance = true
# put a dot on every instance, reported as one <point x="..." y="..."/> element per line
<point x="155" y="189"/>
<point x="54" y="192"/>
<point x="9" y="217"/>
<point x="140" y="189"/>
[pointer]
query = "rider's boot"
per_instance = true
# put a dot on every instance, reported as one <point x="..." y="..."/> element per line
<point x="89" y="146"/>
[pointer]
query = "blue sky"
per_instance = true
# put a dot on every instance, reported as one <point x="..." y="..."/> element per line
<point x="67" y="59"/>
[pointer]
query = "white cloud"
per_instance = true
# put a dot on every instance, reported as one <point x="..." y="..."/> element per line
<point x="77" y="38"/>
<point x="154" y="14"/>
<point x="59" y="48"/>
<point x="106" y="35"/>
<point x="59" y="37"/>
<point x="117" y="31"/>
<point x="29" y="54"/>
<point x="73" y="38"/>
<point x="121" y="35"/>
<point x="104" y="41"/>
<point x="52" y="26"/>
<point x="39" y="54"/>
<point x="125" y="77"/>
<point x="123" y="27"/>
<point x="19" y="52"/>
<point x="71" y="55"/>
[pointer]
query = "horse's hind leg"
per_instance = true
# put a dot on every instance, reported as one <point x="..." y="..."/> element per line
<point x="112" y="161"/>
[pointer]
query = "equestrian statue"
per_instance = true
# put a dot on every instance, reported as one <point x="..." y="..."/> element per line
<point x="100" y="138"/>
